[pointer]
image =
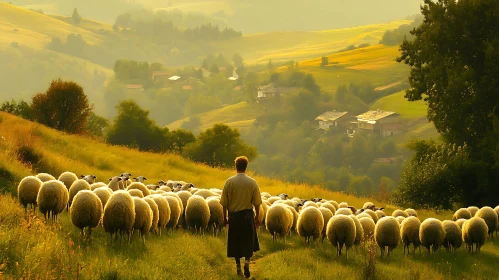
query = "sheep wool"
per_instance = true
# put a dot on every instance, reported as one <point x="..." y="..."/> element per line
<point x="380" y="214"/>
<point x="335" y="204"/>
<point x="114" y="183"/>
<point x="475" y="233"/>
<point x="103" y="194"/>
<point x="143" y="217"/>
<point x="155" y="214"/>
<point x="359" y="231"/>
<point x="89" y="178"/>
<point x="399" y="213"/>
<point x="86" y="210"/>
<point x="175" y="211"/>
<point x="342" y="205"/>
<point x="163" y="210"/>
<point x="409" y="233"/>
<point x="473" y="210"/>
<point x="273" y="199"/>
<point x="119" y="214"/>
<point x="216" y="221"/>
<point x="27" y="191"/>
<point x="279" y="220"/>
<point x="78" y="185"/>
<point x="67" y="178"/>
<point x="184" y="197"/>
<point x="265" y="194"/>
<point x="197" y="213"/>
<point x="165" y="189"/>
<point x="44" y="177"/>
<point x="489" y="216"/>
<point x="462" y="213"/>
<point x="400" y="219"/>
<point x="453" y="235"/>
<point x="310" y="204"/>
<point x="411" y="212"/>
<point x="387" y="234"/>
<point x="373" y="215"/>
<point x="368" y="226"/>
<point x="97" y="185"/>
<point x="295" y="216"/>
<point x="310" y="223"/>
<point x="329" y="206"/>
<point x="327" y="215"/>
<point x="205" y="193"/>
<point x="341" y="231"/>
<point x="460" y="223"/>
<point x="344" y="211"/>
<point x="368" y="205"/>
<point x="52" y="198"/>
<point x="431" y="234"/>
<point x="136" y="193"/>
<point x="363" y="215"/>
<point x="139" y="186"/>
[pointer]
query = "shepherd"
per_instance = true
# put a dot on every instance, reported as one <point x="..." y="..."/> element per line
<point x="239" y="195"/>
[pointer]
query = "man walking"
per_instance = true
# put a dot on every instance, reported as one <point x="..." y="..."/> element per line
<point x="239" y="195"/>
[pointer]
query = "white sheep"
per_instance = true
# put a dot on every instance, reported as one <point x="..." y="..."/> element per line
<point x="119" y="214"/>
<point x="86" y="211"/>
<point x="197" y="213"/>
<point x="27" y="191"/>
<point x="341" y="232"/>
<point x="462" y="213"/>
<point x="89" y="178"/>
<point x="143" y="217"/>
<point x="67" y="178"/>
<point x="453" y="235"/>
<point x="327" y="215"/>
<point x="475" y="233"/>
<point x="368" y="226"/>
<point x="52" y="198"/>
<point x="387" y="234"/>
<point x="175" y="211"/>
<point x="279" y="220"/>
<point x="163" y="210"/>
<point x="216" y="221"/>
<point x="78" y="185"/>
<point x="114" y="183"/>
<point x="44" y="177"/>
<point x="409" y="233"/>
<point x="104" y="193"/>
<point x="490" y="217"/>
<point x="97" y="185"/>
<point x="139" y="186"/>
<point x="155" y="213"/>
<point x="310" y="223"/>
<point x="431" y="234"/>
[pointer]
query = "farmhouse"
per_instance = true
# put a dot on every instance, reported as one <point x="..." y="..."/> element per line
<point x="266" y="92"/>
<point x="160" y="75"/>
<point x="332" y="120"/>
<point x="134" y="87"/>
<point x="379" y="121"/>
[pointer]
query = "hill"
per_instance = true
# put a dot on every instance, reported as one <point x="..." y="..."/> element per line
<point x="31" y="248"/>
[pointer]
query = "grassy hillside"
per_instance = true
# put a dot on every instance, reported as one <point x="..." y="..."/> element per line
<point x="30" y="248"/>
<point x="397" y="103"/>
<point x="240" y="115"/>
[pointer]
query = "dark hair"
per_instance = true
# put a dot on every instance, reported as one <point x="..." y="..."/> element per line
<point x="241" y="163"/>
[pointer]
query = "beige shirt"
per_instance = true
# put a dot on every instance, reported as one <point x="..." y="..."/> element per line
<point x="240" y="192"/>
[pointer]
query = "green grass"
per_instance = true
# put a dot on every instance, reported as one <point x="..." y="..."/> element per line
<point x="397" y="103"/>
<point x="29" y="248"/>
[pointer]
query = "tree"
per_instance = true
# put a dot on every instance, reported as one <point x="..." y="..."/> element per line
<point x="18" y="108"/>
<point x="324" y="61"/>
<point x="193" y="123"/>
<point x="96" y="125"/>
<point x="116" y="27"/>
<point x="238" y="60"/>
<point x="64" y="106"/>
<point x="76" y="17"/>
<point x="179" y="139"/>
<point x="219" y="146"/>
<point x="270" y="66"/>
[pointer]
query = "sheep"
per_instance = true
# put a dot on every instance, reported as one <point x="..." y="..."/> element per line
<point x="273" y="199"/>
<point x="453" y="235"/>
<point x="114" y="183"/>
<point x="316" y="200"/>
<point x="136" y="193"/>
<point x="175" y="211"/>
<point x="97" y="185"/>
<point x="327" y="215"/>
<point x="265" y="194"/>
<point x="462" y="213"/>
<point x="490" y="217"/>
<point x="475" y="233"/>
<point x="161" y="183"/>
<point x="335" y="204"/>
<point x="279" y="220"/>
<point x="140" y="179"/>
<point x="431" y="234"/>
<point x="78" y="185"/>
<point x="310" y="223"/>
<point x="460" y="223"/>
<point x="152" y="188"/>
<point x="387" y="234"/>
<point x="411" y="212"/>
<point x="216" y="221"/>
<point x="86" y="211"/>
<point x="363" y="215"/>
<point x="155" y="214"/>
<point x="265" y="208"/>
<point x="341" y="231"/>
<point x="187" y="186"/>
<point x="373" y="215"/>
<point x="310" y="204"/>
<point x="27" y="191"/>
<point x="368" y="205"/>
<point x="295" y="217"/>
<point x="496" y="209"/>
<point x="119" y="214"/>
<point x="355" y="211"/>
<point x="89" y="178"/>
<point x="399" y="213"/>
<point x="284" y="196"/>
<point x="165" y="189"/>
<point x="400" y="219"/>
<point x="175" y="195"/>
<point x="409" y="233"/>
<point x="126" y="179"/>
<point x="359" y="231"/>
<point x="205" y="193"/>
<point x="52" y="198"/>
<point x="184" y="197"/>
<point x="197" y="213"/>
<point x="473" y="210"/>
<point x="67" y="178"/>
<point x="329" y="206"/>
<point x="163" y="210"/>
<point x="380" y="214"/>
<point x="368" y="226"/>
<point x="139" y="186"/>
<point x="344" y="211"/>
<point x="143" y="217"/>
<point x="44" y="177"/>
<point x="342" y="205"/>
<point x="104" y="194"/>
<point x="193" y="190"/>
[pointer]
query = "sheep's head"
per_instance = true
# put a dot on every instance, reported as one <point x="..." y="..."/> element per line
<point x="126" y="175"/>
<point x="115" y="178"/>
<point x="378" y="208"/>
<point x="140" y="179"/>
<point x="316" y="199"/>
<point x="161" y="183"/>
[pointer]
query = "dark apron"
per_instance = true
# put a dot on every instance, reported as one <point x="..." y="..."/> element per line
<point x="242" y="237"/>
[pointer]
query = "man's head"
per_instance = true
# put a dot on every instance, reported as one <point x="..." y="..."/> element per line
<point x="241" y="163"/>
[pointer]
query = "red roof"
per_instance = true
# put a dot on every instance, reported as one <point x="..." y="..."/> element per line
<point x="187" y="87"/>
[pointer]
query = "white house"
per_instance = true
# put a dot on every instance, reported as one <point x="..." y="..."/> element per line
<point x="267" y="91"/>
<point x="383" y="122"/>
<point x="332" y="119"/>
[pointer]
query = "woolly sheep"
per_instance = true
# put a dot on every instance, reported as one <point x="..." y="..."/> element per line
<point x="368" y="226"/>
<point x="335" y="204"/>
<point x="175" y="211"/>
<point x="316" y="199"/>
<point x="97" y="185"/>
<point x="373" y="215"/>
<point x="27" y="191"/>
<point x="475" y="233"/>
<point x="342" y="205"/>
<point x="473" y="210"/>
<point x="431" y="234"/>
<point x="155" y="214"/>
<point x="453" y="235"/>
<point x="197" y="213"/>
<point x="265" y="208"/>
<point x="184" y="197"/>
<point x="329" y="206"/>
<point x="103" y="194"/>
<point x="387" y="234"/>
<point x="310" y="223"/>
<point x="119" y="214"/>
<point x="279" y="220"/>
<point x="52" y="198"/>
<point x="140" y="179"/>
<point x="216" y="221"/>
<point x="462" y="213"/>
<point x="284" y="196"/>
<point x="86" y="211"/>
<point x="193" y="190"/>
<point x="363" y="215"/>
<point x="460" y="223"/>
<point x="380" y="214"/>
<point x="163" y="210"/>
<point x="139" y="186"/>
<point x="143" y="217"/>
<point x="175" y="195"/>
<point x="490" y="217"/>
<point x="152" y="188"/>
<point x="265" y="194"/>
<point x="67" y="178"/>
<point x="295" y="217"/>
<point x="187" y="187"/>
<point x="327" y="215"/>
<point x="411" y="212"/>
<point x="359" y="231"/>
<point x="399" y="213"/>
<point x="400" y="219"/>
<point x="204" y="193"/>
<point x="344" y="211"/>
<point x="126" y="176"/>
<point x="290" y="203"/>
<point x="136" y="193"/>
<point x="341" y="231"/>
<point x="368" y="205"/>
<point x="114" y="183"/>
<point x="310" y="204"/>
<point x="409" y="233"/>
<point x="165" y="188"/>
<point x="89" y="178"/>
<point x="273" y="199"/>
<point x="78" y="185"/>
<point x="44" y="177"/>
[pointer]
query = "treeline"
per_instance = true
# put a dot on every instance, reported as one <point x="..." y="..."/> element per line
<point x="396" y="36"/>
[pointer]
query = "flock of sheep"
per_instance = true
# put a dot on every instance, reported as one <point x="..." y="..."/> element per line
<point x="124" y="207"/>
